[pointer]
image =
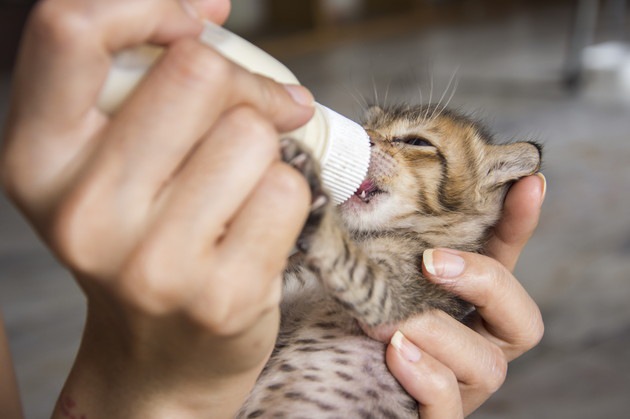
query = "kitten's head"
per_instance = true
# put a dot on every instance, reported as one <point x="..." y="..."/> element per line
<point x="435" y="172"/>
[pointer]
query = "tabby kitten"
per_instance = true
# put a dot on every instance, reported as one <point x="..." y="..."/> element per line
<point x="434" y="181"/>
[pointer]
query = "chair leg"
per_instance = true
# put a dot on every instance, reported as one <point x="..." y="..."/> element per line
<point x="614" y="14"/>
<point x="582" y="35"/>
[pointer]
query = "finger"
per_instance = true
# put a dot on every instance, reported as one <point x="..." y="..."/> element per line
<point x="511" y="319"/>
<point x="182" y="98"/>
<point x="429" y="382"/>
<point x="479" y="365"/>
<point x="216" y="11"/>
<point x="217" y="180"/>
<point x="63" y="59"/>
<point x="266" y="228"/>
<point x="256" y="245"/>
<point x="66" y="49"/>
<point x="192" y="212"/>
<point x="520" y="217"/>
<point x="474" y="360"/>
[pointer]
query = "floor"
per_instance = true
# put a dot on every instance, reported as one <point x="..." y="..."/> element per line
<point x="577" y="266"/>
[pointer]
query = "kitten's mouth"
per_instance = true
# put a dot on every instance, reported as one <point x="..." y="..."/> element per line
<point x="367" y="191"/>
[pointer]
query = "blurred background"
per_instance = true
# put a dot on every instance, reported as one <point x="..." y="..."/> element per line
<point x="556" y="71"/>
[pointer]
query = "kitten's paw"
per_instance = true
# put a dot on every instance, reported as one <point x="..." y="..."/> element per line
<point x="300" y="158"/>
<point x="297" y="156"/>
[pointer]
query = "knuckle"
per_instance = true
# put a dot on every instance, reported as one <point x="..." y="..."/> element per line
<point x="224" y="321"/>
<point x="215" y="315"/>
<point x="538" y="334"/>
<point x="536" y="331"/>
<point x="226" y="310"/>
<point x="284" y="181"/>
<point x="253" y="125"/>
<point x="149" y="283"/>
<point x="495" y="273"/>
<point x="195" y="64"/>
<point x="491" y="276"/>
<point x="432" y="324"/>
<point x="497" y="371"/>
<point x="219" y="323"/>
<point x="267" y="93"/>
<point x="277" y="103"/>
<point x="254" y="135"/>
<point x="442" y="383"/>
<point x="60" y="22"/>
<point x="72" y="235"/>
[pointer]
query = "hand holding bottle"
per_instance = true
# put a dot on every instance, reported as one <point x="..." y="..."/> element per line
<point x="174" y="214"/>
<point x="341" y="146"/>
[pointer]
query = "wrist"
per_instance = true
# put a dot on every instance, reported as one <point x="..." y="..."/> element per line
<point x="96" y="389"/>
<point x="111" y="378"/>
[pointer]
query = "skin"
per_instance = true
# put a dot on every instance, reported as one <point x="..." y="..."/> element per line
<point x="161" y="223"/>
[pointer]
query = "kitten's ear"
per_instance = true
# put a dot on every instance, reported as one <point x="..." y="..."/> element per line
<point x="509" y="162"/>
<point x="372" y="113"/>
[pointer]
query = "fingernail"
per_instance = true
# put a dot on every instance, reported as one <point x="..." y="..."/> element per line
<point x="319" y="202"/>
<point x="443" y="264"/>
<point x="405" y="348"/>
<point x="544" y="185"/>
<point x="300" y="94"/>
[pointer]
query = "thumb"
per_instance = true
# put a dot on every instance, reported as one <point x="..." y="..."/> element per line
<point x="521" y="212"/>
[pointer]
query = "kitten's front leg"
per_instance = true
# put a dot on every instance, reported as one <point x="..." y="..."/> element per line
<point x="301" y="159"/>
<point x="378" y="281"/>
<point x="353" y="280"/>
<point x="322" y="226"/>
<point x="327" y="250"/>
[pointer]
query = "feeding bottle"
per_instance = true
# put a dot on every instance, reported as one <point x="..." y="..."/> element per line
<point x="341" y="145"/>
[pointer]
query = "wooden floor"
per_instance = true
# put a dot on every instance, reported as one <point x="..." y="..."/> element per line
<point x="577" y="266"/>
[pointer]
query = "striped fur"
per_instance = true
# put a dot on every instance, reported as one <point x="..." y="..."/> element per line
<point x="435" y="180"/>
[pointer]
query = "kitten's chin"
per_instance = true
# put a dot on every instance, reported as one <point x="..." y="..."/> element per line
<point x="361" y="214"/>
<point x="359" y="203"/>
<point x="357" y="208"/>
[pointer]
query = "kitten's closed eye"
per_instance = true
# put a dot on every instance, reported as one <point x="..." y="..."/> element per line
<point x="414" y="141"/>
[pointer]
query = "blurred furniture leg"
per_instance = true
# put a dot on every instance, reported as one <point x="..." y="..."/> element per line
<point x="583" y="32"/>
<point x="615" y="19"/>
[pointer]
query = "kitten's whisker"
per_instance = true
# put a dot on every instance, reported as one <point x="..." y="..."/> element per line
<point x="420" y="93"/>
<point x="426" y="113"/>
<point x="417" y="83"/>
<point x="363" y="103"/>
<point x="387" y="93"/>
<point x="375" y="91"/>
<point x="360" y="100"/>
<point x="449" y="99"/>
<point x="448" y="86"/>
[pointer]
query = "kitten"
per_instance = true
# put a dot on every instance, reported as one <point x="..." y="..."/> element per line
<point x="434" y="181"/>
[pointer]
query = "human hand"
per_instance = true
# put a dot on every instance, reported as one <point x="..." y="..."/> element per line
<point x="450" y="368"/>
<point x="174" y="214"/>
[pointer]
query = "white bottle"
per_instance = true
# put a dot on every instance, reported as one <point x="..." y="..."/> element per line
<point x="341" y="145"/>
